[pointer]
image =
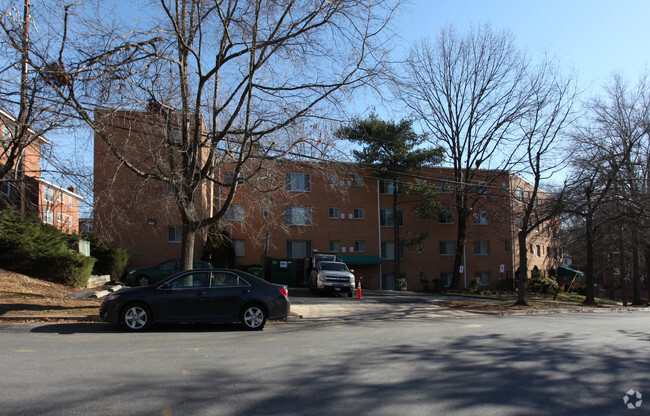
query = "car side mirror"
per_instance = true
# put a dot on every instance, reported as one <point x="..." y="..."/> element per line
<point x="165" y="286"/>
<point x="351" y="270"/>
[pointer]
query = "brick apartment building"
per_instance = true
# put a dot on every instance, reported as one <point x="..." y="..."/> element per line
<point x="338" y="208"/>
<point x="25" y="189"/>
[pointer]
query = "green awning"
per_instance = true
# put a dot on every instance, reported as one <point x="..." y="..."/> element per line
<point x="563" y="271"/>
<point x="357" y="259"/>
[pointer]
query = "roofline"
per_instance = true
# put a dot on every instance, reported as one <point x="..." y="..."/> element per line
<point x="60" y="189"/>
<point x="13" y="120"/>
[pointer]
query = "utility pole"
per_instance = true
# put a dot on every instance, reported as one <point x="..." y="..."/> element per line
<point x="22" y="112"/>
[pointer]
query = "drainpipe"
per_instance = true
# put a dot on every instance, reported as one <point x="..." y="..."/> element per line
<point x="381" y="274"/>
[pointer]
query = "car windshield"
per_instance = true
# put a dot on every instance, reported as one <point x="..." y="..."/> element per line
<point x="336" y="267"/>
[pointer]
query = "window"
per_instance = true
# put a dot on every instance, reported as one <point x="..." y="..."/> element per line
<point x="298" y="216"/>
<point x="6" y="189"/>
<point x="298" y="249"/>
<point x="538" y="252"/>
<point x="484" y="278"/>
<point x="265" y="211"/>
<point x="548" y="251"/>
<point x="70" y="201"/>
<point x="229" y="177"/>
<point x="445" y="187"/>
<point x="70" y="221"/>
<point x="240" y="247"/>
<point x="445" y="279"/>
<point x="175" y="137"/>
<point x="446" y="217"/>
<point x="359" y="246"/>
<point x="357" y="181"/>
<point x="386" y="187"/>
<point x="6" y="135"/>
<point x="48" y="195"/>
<point x="174" y="235"/>
<point x="482" y="248"/>
<point x="191" y="280"/>
<point x="170" y="189"/>
<point x="479" y="189"/>
<point x="297" y="182"/>
<point x="447" y="248"/>
<point x="333" y="213"/>
<point x="507" y="245"/>
<point x="59" y="217"/>
<point x="531" y="249"/>
<point x="358" y="214"/>
<point x="48" y="216"/>
<point x="386" y="218"/>
<point x="480" y="218"/>
<point x="234" y="213"/>
<point x="60" y="197"/>
<point x="335" y="246"/>
<point x="332" y="179"/>
<point x="226" y="279"/>
<point x="388" y="250"/>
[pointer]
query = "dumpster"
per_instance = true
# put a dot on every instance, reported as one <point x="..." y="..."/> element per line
<point x="284" y="271"/>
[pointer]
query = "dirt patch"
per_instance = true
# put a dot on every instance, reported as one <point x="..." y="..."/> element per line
<point x="24" y="296"/>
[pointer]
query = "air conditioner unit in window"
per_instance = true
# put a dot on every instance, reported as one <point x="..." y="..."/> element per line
<point x="342" y="216"/>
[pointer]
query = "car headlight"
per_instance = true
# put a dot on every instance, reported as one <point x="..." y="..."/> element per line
<point x="321" y="277"/>
<point x="112" y="296"/>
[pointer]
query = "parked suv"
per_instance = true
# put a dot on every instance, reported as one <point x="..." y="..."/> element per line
<point x="332" y="276"/>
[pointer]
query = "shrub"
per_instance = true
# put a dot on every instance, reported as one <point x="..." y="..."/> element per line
<point x="39" y="250"/>
<point x="110" y="260"/>
<point x="400" y="284"/>
<point x="474" y="284"/>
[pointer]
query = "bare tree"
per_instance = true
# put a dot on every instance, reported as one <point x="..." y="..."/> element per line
<point x="224" y="83"/>
<point x="469" y="92"/>
<point x="29" y="109"/>
<point x="542" y="129"/>
<point x="603" y="169"/>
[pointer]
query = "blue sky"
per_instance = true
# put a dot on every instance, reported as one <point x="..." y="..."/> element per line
<point x="596" y="37"/>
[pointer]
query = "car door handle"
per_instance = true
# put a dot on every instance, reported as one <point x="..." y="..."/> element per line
<point x="203" y="292"/>
<point x="245" y="291"/>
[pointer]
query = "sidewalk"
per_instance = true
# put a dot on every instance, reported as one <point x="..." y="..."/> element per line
<point x="374" y="305"/>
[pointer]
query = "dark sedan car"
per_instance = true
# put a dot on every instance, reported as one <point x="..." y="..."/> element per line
<point x="206" y="295"/>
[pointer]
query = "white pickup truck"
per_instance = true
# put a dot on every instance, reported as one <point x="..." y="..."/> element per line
<point x="332" y="276"/>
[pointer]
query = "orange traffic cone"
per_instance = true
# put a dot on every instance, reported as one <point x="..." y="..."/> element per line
<point x="359" y="289"/>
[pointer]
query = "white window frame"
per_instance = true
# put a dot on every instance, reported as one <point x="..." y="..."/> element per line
<point x="450" y="248"/>
<point x="176" y="234"/>
<point x="358" y="214"/>
<point x="359" y="246"/>
<point x="298" y="216"/>
<point x="240" y="247"/>
<point x="235" y="213"/>
<point x="335" y="246"/>
<point x="334" y="213"/>
<point x="297" y="182"/>
<point x="482" y="248"/>
<point x="481" y="218"/>
<point x="48" y="195"/>
<point x="48" y="216"/>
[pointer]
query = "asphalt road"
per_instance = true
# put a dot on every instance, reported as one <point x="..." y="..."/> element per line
<point x="563" y="364"/>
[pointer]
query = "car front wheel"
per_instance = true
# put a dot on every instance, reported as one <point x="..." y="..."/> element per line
<point x="136" y="317"/>
<point x="253" y="317"/>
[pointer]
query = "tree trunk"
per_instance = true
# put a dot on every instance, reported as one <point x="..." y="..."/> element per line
<point x="187" y="247"/>
<point x="523" y="268"/>
<point x="589" y="289"/>
<point x="461" y="212"/>
<point x="636" y="271"/>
